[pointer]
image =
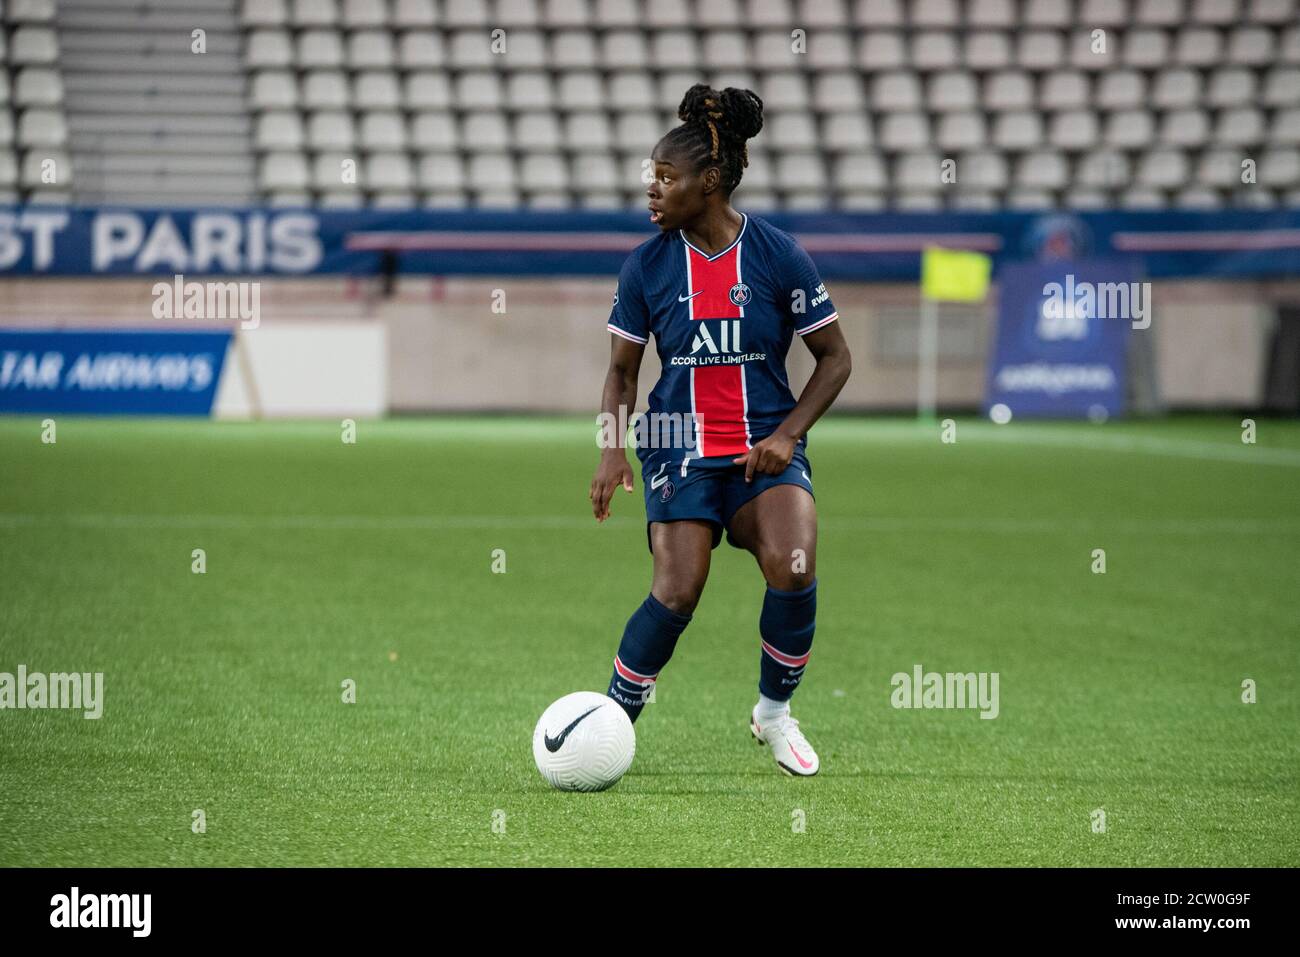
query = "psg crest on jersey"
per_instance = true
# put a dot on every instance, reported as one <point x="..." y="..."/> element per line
<point x="739" y="294"/>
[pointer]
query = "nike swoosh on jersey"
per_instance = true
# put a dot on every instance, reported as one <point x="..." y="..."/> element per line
<point x="691" y="296"/>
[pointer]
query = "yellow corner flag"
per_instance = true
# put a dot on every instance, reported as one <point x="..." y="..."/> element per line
<point x="951" y="275"/>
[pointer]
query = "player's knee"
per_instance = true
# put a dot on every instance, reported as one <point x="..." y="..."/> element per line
<point x="678" y="596"/>
<point x="788" y="571"/>
<point x="791" y="581"/>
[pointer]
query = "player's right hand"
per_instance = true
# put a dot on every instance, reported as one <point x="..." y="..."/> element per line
<point x="612" y="472"/>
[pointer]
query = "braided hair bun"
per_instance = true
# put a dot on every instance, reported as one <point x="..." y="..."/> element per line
<point x="733" y="113"/>
<point x="715" y="126"/>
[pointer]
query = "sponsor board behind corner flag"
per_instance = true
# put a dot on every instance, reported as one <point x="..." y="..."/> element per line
<point x="952" y="275"/>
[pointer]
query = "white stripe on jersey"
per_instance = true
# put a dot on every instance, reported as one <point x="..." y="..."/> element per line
<point x="624" y="333"/>
<point x="690" y="314"/>
<point x="817" y="325"/>
<point x="690" y="302"/>
<point x="744" y="398"/>
<point x="699" y="438"/>
<point x="739" y="247"/>
<point x="744" y="388"/>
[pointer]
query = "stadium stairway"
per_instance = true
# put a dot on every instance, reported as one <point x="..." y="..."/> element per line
<point x="151" y="121"/>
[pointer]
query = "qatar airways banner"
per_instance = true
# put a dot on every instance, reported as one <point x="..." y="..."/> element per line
<point x="875" y="247"/>
<point x="110" y="372"/>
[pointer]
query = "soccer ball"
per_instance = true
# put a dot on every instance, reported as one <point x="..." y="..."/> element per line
<point x="584" y="742"/>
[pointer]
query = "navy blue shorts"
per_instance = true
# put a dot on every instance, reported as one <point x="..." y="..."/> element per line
<point x="712" y="489"/>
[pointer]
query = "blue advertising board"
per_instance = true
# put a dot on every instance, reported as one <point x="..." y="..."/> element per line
<point x="110" y="372"/>
<point x="858" y="247"/>
<point x="1060" y="349"/>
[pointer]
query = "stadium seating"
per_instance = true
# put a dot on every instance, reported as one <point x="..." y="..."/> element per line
<point x="563" y="105"/>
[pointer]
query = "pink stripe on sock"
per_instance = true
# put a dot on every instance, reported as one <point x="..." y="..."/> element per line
<point x="789" y="661"/>
<point x="631" y="675"/>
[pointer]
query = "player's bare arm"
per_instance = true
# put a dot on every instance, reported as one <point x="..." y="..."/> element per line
<point x="834" y="364"/>
<point x="619" y="391"/>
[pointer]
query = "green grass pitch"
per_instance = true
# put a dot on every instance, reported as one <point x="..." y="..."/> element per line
<point x="374" y="562"/>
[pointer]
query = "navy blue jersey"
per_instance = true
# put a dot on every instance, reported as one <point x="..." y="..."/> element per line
<point x="722" y="325"/>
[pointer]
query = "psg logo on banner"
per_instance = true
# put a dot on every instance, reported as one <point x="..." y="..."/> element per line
<point x="739" y="294"/>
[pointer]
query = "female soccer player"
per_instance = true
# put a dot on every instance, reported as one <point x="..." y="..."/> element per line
<point x="723" y="293"/>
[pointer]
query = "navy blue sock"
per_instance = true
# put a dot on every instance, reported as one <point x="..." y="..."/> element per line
<point x="786" y="624"/>
<point x="648" y="642"/>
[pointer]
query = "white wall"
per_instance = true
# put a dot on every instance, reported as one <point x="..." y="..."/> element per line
<point x="335" y="368"/>
<point x="445" y="348"/>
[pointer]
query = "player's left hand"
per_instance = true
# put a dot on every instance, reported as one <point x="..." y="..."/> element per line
<point x="771" y="455"/>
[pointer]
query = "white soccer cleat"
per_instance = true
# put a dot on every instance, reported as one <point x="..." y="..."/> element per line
<point x="793" y="753"/>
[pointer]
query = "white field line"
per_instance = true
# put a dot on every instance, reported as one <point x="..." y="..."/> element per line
<point x="432" y="523"/>
<point x="1145" y="445"/>
<point x="1085" y="438"/>
<point x="833" y="431"/>
<point x="1081" y="437"/>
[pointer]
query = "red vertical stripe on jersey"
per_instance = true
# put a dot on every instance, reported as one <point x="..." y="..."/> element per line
<point x="718" y="391"/>
<point x="720" y="410"/>
<point x="713" y="280"/>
